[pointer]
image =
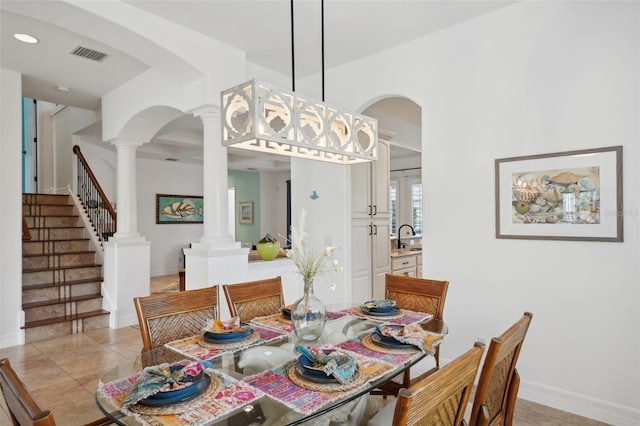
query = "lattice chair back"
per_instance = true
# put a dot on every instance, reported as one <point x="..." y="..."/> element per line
<point x="497" y="390"/>
<point x="253" y="299"/>
<point x="441" y="398"/>
<point x="171" y="316"/>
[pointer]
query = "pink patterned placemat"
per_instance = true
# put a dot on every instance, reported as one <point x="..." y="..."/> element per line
<point x="407" y="317"/>
<point x="277" y="385"/>
<point x="392" y="357"/>
<point x="278" y="322"/>
<point x="231" y="397"/>
<point x="275" y="321"/>
<point x="190" y="347"/>
<point x="338" y="314"/>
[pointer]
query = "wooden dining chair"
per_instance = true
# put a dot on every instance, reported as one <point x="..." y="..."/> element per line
<point x="253" y="299"/>
<point x="497" y="390"/>
<point x="439" y="399"/>
<point x="170" y="316"/>
<point x="419" y="295"/>
<point x="23" y="409"/>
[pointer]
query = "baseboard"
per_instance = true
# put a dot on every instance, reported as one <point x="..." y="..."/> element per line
<point x="12" y="339"/>
<point x="163" y="272"/>
<point x="603" y="411"/>
<point x="123" y="320"/>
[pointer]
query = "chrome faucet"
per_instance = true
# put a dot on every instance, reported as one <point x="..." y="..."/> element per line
<point x="400" y="229"/>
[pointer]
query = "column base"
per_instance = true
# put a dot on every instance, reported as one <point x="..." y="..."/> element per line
<point x="127" y="274"/>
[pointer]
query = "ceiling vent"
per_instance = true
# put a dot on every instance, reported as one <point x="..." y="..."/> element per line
<point x="87" y="53"/>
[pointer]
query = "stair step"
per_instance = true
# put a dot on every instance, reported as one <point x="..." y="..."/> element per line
<point x="57" y="234"/>
<point x="54" y="308"/>
<point x="65" y="325"/>
<point x="61" y="300"/>
<point x="45" y="292"/>
<point x="45" y="269"/>
<point x="60" y="199"/>
<point x="48" y="210"/>
<point x="52" y="221"/>
<point x="62" y="260"/>
<point x="64" y="318"/>
<point x="60" y="275"/>
<point x="58" y="246"/>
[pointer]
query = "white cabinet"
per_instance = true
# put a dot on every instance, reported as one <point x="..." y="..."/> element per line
<point x="370" y="187"/>
<point x="408" y="265"/>
<point x="381" y="252"/>
<point x="370" y="230"/>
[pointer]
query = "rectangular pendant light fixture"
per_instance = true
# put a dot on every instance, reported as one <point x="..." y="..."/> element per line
<point x="261" y="117"/>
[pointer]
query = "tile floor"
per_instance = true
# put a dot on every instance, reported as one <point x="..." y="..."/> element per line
<point x="75" y="364"/>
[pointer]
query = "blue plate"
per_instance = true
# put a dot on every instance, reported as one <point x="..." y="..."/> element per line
<point x="226" y="341"/>
<point x="178" y="396"/>
<point x="382" y="309"/>
<point x="228" y="337"/>
<point x="309" y="369"/>
<point x="377" y="313"/>
<point x="307" y="375"/>
<point x="388" y="342"/>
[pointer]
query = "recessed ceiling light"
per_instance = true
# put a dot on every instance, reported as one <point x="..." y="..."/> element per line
<point x="26" y="38"/>
<point x="64" y="89"/>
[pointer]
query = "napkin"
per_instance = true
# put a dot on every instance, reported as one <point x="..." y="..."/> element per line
<point x="229" y="326"/>
<point x="412" y="334"/>
<point x="336" y="364"/>
<point x="161" y="378"/>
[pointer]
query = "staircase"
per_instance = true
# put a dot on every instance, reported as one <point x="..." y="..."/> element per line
<point x="61" y="283"/>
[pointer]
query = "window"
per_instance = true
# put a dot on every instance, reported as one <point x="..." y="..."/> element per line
<point x="393" y="205"/>
<point x="416" y="207"/>
<point x="405" y="200"/>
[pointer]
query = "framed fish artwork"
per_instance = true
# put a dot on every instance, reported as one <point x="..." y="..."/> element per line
<point x="173" y="209"/>
<point x="573" y="195"/>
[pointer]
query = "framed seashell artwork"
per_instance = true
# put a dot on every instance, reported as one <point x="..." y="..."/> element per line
<point x="172" y="209"/>
<point x="572" y="195"/>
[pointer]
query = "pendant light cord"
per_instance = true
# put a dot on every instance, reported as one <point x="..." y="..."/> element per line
<point x="293" y="55"/>
<point x="293" y="52"/>
<point x="322" y="33"/>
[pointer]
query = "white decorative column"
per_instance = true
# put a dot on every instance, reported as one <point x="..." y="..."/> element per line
<point x="127" y="255"/>
<point x="127" y="182"/>
<point x="216" y="180"/>
<point x="216" y="258"/>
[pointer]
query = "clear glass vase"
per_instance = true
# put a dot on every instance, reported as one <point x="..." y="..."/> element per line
<point x="309" y="314"/>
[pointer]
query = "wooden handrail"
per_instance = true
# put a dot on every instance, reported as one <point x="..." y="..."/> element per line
<point x="26" y="233"/>
<point x="101" y="213"/>
<point x="107" y="205"/>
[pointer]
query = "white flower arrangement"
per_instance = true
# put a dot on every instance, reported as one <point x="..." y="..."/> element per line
<point x="310" y="263"/>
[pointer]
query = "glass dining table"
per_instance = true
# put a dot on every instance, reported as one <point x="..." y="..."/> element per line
<point x="259" y="381"/>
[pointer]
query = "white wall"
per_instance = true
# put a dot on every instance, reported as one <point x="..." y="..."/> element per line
<point x="535" y="77"/>
<point x="104" y="163"/>
<point x="327" y="218"/>
<point x="66" y="121"/>
<point x="10" y="217"/>
<point x="166" y="177"/>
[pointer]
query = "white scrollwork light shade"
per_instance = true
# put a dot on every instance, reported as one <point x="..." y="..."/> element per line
<point x="261" y="117"/>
